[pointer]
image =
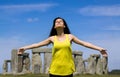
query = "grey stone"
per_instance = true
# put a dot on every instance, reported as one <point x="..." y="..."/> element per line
<point x="36" y="60"/>
<point x="14" y="61"/>
<point x="79" y="63"/>
<point x="105" y="65"/>
<point x="99" y="66"/>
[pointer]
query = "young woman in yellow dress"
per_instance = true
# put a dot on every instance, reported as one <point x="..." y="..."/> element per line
<point x="62" y="63"/>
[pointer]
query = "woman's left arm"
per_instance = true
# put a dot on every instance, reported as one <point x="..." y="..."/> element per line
<point x="88" y="45"/>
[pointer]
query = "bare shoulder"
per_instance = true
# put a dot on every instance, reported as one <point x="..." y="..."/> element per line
<point x="51" y="38"/>
<point x="71" y="36"/>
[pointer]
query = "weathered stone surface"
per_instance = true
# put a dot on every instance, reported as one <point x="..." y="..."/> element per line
<point x="47" y="57"/>
<point x="105" y="65"/>
<point x="79" y="63"/>
<point x="36" y="69"/>
<point x="47" y="61"/>
<point x="14" y="61"/>
<point x="91" y="65"/>
<point x="26" y="63"/>
<point x="77" y="53"/>
<point x="5" y="66"/>
<point x="99" y="66"/>
<point x="20" y="64"/>
<point x="36" y="60"/>
<point x="41" y="50"/>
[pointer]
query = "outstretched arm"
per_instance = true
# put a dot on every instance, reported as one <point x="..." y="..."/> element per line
<point x="88" y="45"/>
<point x="42" y="43"/>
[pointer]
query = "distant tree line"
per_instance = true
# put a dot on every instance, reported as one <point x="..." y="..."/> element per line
<point x="115" y="71"/>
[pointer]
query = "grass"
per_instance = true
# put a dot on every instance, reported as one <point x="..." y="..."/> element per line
<point x="45" y="75"/>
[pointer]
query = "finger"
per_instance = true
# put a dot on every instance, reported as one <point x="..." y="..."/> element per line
<point x="105" y="55"/>
<point x="103" y="52"/>
<point x="20" y="51"/>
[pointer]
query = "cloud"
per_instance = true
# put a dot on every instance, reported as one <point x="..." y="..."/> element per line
<point x="108" y="41"/>
<point x="6" y="46"/>
<point x="112" y="28"/>
<point x="113" y="10"/>
<point x="26" y="7"/>
<point x="112" y="45"/>
<point x="32" y="19"/>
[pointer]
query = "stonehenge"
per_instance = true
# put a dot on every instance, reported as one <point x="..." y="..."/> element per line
<point x="22" y="64"/>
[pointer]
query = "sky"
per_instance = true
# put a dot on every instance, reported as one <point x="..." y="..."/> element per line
<point x="24" y="22"/>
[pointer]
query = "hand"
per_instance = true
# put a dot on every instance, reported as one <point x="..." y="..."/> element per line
<point x="21" y="51"/>
<point x="104" y="53"/>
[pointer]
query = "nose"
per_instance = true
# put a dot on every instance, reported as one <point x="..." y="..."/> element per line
<point x="58" y="21"/>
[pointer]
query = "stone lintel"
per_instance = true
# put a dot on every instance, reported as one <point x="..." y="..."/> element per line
<point x="24" y="54"/>
<point x="79" y="53"/>
<point x="95" y="55"/>
<point x="86" y="60"/>
<point x="41" y="50"/>
<point x="7" y="60"/>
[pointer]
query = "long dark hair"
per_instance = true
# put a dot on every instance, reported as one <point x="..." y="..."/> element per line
<point x="53" y="30"/>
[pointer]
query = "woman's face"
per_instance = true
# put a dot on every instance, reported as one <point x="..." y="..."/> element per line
<point x="59" y="23"/>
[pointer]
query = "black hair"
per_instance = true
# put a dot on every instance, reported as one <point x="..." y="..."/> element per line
<point x="53" y="30"/>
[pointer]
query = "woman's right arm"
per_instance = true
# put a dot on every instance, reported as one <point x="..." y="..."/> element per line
<point x="36" y="45"/>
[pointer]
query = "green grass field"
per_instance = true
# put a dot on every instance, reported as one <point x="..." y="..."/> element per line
<point x="44" y="75"/>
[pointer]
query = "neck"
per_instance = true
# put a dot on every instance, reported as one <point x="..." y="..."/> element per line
<point x="60" y="31"/>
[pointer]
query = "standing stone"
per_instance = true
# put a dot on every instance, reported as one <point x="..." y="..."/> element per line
<point x="5" y="67"/>
<point x="47" y="60"/>
<point x="79" y="63"/>
<point x="91" y="65"/>
<point x="26" y="63"/>
<point x="14" y="61"/>
<point x="20" y="63"/>
<point x="99" y="66"/>
<point x="36" y="61"/>
<point x="105" y="65"/>
<point x="36" y="69"/>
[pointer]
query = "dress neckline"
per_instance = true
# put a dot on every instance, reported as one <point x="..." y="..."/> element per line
<point x="57" y="39"/>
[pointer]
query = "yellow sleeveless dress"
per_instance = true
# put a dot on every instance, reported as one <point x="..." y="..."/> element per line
<point x="62" y="61"/>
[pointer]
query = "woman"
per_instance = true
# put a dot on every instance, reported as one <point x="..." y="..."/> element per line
<point x="62" y="64"/>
